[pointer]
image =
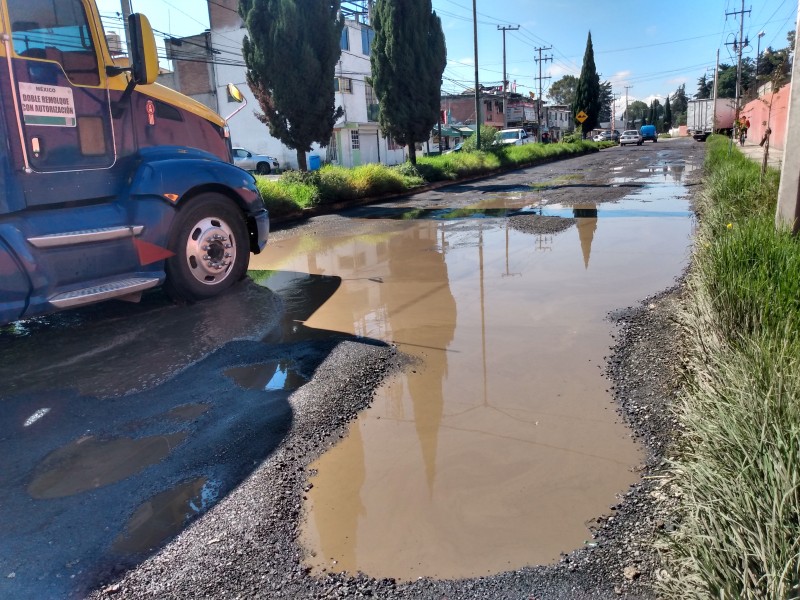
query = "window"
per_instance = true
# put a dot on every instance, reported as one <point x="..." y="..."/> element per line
<point x="344" y="43"/>
<point x="354" y="142"/>
<point x="343" y="84"/>
<point x="367" y="35"/>
<point x="62" y="36"/>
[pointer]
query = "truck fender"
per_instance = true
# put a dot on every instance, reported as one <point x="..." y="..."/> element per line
<point x="175" y="174"/>
<point x="180" y="176"/>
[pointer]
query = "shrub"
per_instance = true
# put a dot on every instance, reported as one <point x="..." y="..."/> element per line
<point x="488" y="137"/>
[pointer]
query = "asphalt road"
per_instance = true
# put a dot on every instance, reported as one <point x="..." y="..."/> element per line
<point x="127" y="426"/>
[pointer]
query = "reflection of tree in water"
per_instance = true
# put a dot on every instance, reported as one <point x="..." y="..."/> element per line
<point x="426" y="319"/>
<point x="586" y="217"/>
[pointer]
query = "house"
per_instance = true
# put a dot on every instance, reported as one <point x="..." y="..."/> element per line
<point x="206" y="63"/>
<point x="559" y="121"/>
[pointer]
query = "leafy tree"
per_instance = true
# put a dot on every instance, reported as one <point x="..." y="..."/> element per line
<point x="705" y="88"/>
<point x="587" y="92"/>
<point x="408" y="59"/>
<point x="637" y="111"/>
<point x="291" y="52"/>
<point x="563" y="90"/>
<point x="667" y="116"/>
<point x="680" y="104"/>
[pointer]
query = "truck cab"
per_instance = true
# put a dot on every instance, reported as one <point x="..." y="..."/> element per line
<point x="111" y="184"/>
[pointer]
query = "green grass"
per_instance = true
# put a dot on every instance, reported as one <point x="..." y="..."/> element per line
<point x="296" y="191"/>
<point x="737" y="468"/>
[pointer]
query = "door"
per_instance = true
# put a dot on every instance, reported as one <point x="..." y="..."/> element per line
<point x="62" y="102"/>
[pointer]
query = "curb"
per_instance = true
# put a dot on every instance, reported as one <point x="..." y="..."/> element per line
<point x="326" y="209"/>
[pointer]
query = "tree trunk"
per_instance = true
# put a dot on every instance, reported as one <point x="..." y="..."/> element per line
<point x="412" y="153"/>
<point x="301" y="160"/>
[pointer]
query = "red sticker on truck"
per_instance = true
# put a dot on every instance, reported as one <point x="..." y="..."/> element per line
<point x="50" y="105"/>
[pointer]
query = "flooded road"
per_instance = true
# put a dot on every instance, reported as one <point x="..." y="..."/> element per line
<point x="501" y="443"/>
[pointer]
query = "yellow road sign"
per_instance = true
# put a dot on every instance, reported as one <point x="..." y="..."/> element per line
<point x="581" y="116"/>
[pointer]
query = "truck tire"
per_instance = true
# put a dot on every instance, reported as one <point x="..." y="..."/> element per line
<point x="209" y="239"/>
<point x="263" y="168"/>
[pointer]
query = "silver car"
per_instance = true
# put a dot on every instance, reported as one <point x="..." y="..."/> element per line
<point x="260" y="163"/>
<point x="630" y="136"/>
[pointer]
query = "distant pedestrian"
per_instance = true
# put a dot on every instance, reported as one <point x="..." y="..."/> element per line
<point x="746" y="127"/>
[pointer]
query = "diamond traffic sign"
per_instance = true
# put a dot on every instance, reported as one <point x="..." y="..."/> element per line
<point x="581" y="116"/>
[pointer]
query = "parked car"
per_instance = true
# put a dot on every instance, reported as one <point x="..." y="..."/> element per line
<point x="605" y="136"/>
<point x="515" y="136"/>
<point x="648" y="133"/>
<point x="630" y="136"/>
<point x="260" y="163"/>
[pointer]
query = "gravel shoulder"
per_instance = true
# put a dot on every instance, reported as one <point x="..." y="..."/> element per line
<point x="246" y="546"/>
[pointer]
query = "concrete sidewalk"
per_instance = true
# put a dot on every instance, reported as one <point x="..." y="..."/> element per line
<point x="753" y="151"/>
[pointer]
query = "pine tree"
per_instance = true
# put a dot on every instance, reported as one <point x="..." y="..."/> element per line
<point x="408" y="59"/>
<point x="587" y="92"/>
<point x="667" y="116"/>
<point x="291" y="50"/>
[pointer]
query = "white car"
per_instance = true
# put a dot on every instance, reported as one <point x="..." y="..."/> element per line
<point x="516" y="136"/>
<point x="631" y="136"/>
<point x="260" y="163"/>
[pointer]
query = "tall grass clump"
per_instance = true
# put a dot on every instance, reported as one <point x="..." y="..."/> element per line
<point x="736" y="472"/>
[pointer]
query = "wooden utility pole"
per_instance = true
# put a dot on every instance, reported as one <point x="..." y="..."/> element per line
<point x="505" y="79"/>
<point x="540" y="60"/>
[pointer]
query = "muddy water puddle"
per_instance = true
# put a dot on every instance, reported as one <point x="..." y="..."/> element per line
<point x="502" y="441"/>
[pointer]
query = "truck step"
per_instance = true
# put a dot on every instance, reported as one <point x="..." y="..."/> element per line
<point x="84" y="236"/>
<point x="96" y="293"/>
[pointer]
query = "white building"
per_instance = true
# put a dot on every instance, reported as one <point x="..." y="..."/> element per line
<point x="356" y="138"/>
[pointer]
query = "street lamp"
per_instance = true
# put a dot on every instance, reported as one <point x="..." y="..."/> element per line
<point x="758" y="55"/>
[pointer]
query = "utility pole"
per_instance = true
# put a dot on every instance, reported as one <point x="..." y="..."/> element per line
<point x="627" y="116"/>
<point x="540" y="60"/>
<point x="477" y="87"/>
<point x="738" y="49"/>
<point x="614" y="98"/>
<point x="505" y="80"/>
<point x="125" y="5"/>
<point x="788" y="211"/>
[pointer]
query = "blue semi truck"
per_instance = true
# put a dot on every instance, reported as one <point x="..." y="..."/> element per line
<point x="110" y="184"/>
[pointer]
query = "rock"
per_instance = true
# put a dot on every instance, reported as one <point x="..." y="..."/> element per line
<point x="631" y="573"/>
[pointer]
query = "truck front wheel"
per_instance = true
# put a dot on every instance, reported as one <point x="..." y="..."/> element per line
<point x="209" y="239"/>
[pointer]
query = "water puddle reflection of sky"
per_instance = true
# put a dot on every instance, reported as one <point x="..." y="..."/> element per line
<point x="502" y="441"/>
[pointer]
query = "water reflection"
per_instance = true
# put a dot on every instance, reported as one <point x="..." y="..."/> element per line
<point x="500" y="442"/>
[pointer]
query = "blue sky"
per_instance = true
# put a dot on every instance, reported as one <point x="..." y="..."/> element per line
<point x="652" y="47"/>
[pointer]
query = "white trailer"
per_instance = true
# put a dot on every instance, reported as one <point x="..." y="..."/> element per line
<point x="700" y="116"/>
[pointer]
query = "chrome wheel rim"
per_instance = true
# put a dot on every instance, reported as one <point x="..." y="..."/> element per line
<point x="210" y="251"/>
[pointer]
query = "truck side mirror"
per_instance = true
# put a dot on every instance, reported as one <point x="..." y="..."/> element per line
<point x="144" y="58"/>
<point x="234" y="94"/>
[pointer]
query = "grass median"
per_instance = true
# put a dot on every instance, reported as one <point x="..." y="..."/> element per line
<point x="736" y="476"/>
<point x="297" y="191"/>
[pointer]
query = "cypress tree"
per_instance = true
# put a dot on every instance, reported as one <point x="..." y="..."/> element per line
<point x="667" y="116"/>
<point x="587" y="92"/>
<point x="408" y="58"/>
<point x="291" y="50"/>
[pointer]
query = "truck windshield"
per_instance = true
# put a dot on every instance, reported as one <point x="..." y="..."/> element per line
<point x="57" y="31"/>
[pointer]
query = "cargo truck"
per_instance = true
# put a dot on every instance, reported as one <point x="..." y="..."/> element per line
<point x="700" y="117"/>
<point x="111" y="184"/>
